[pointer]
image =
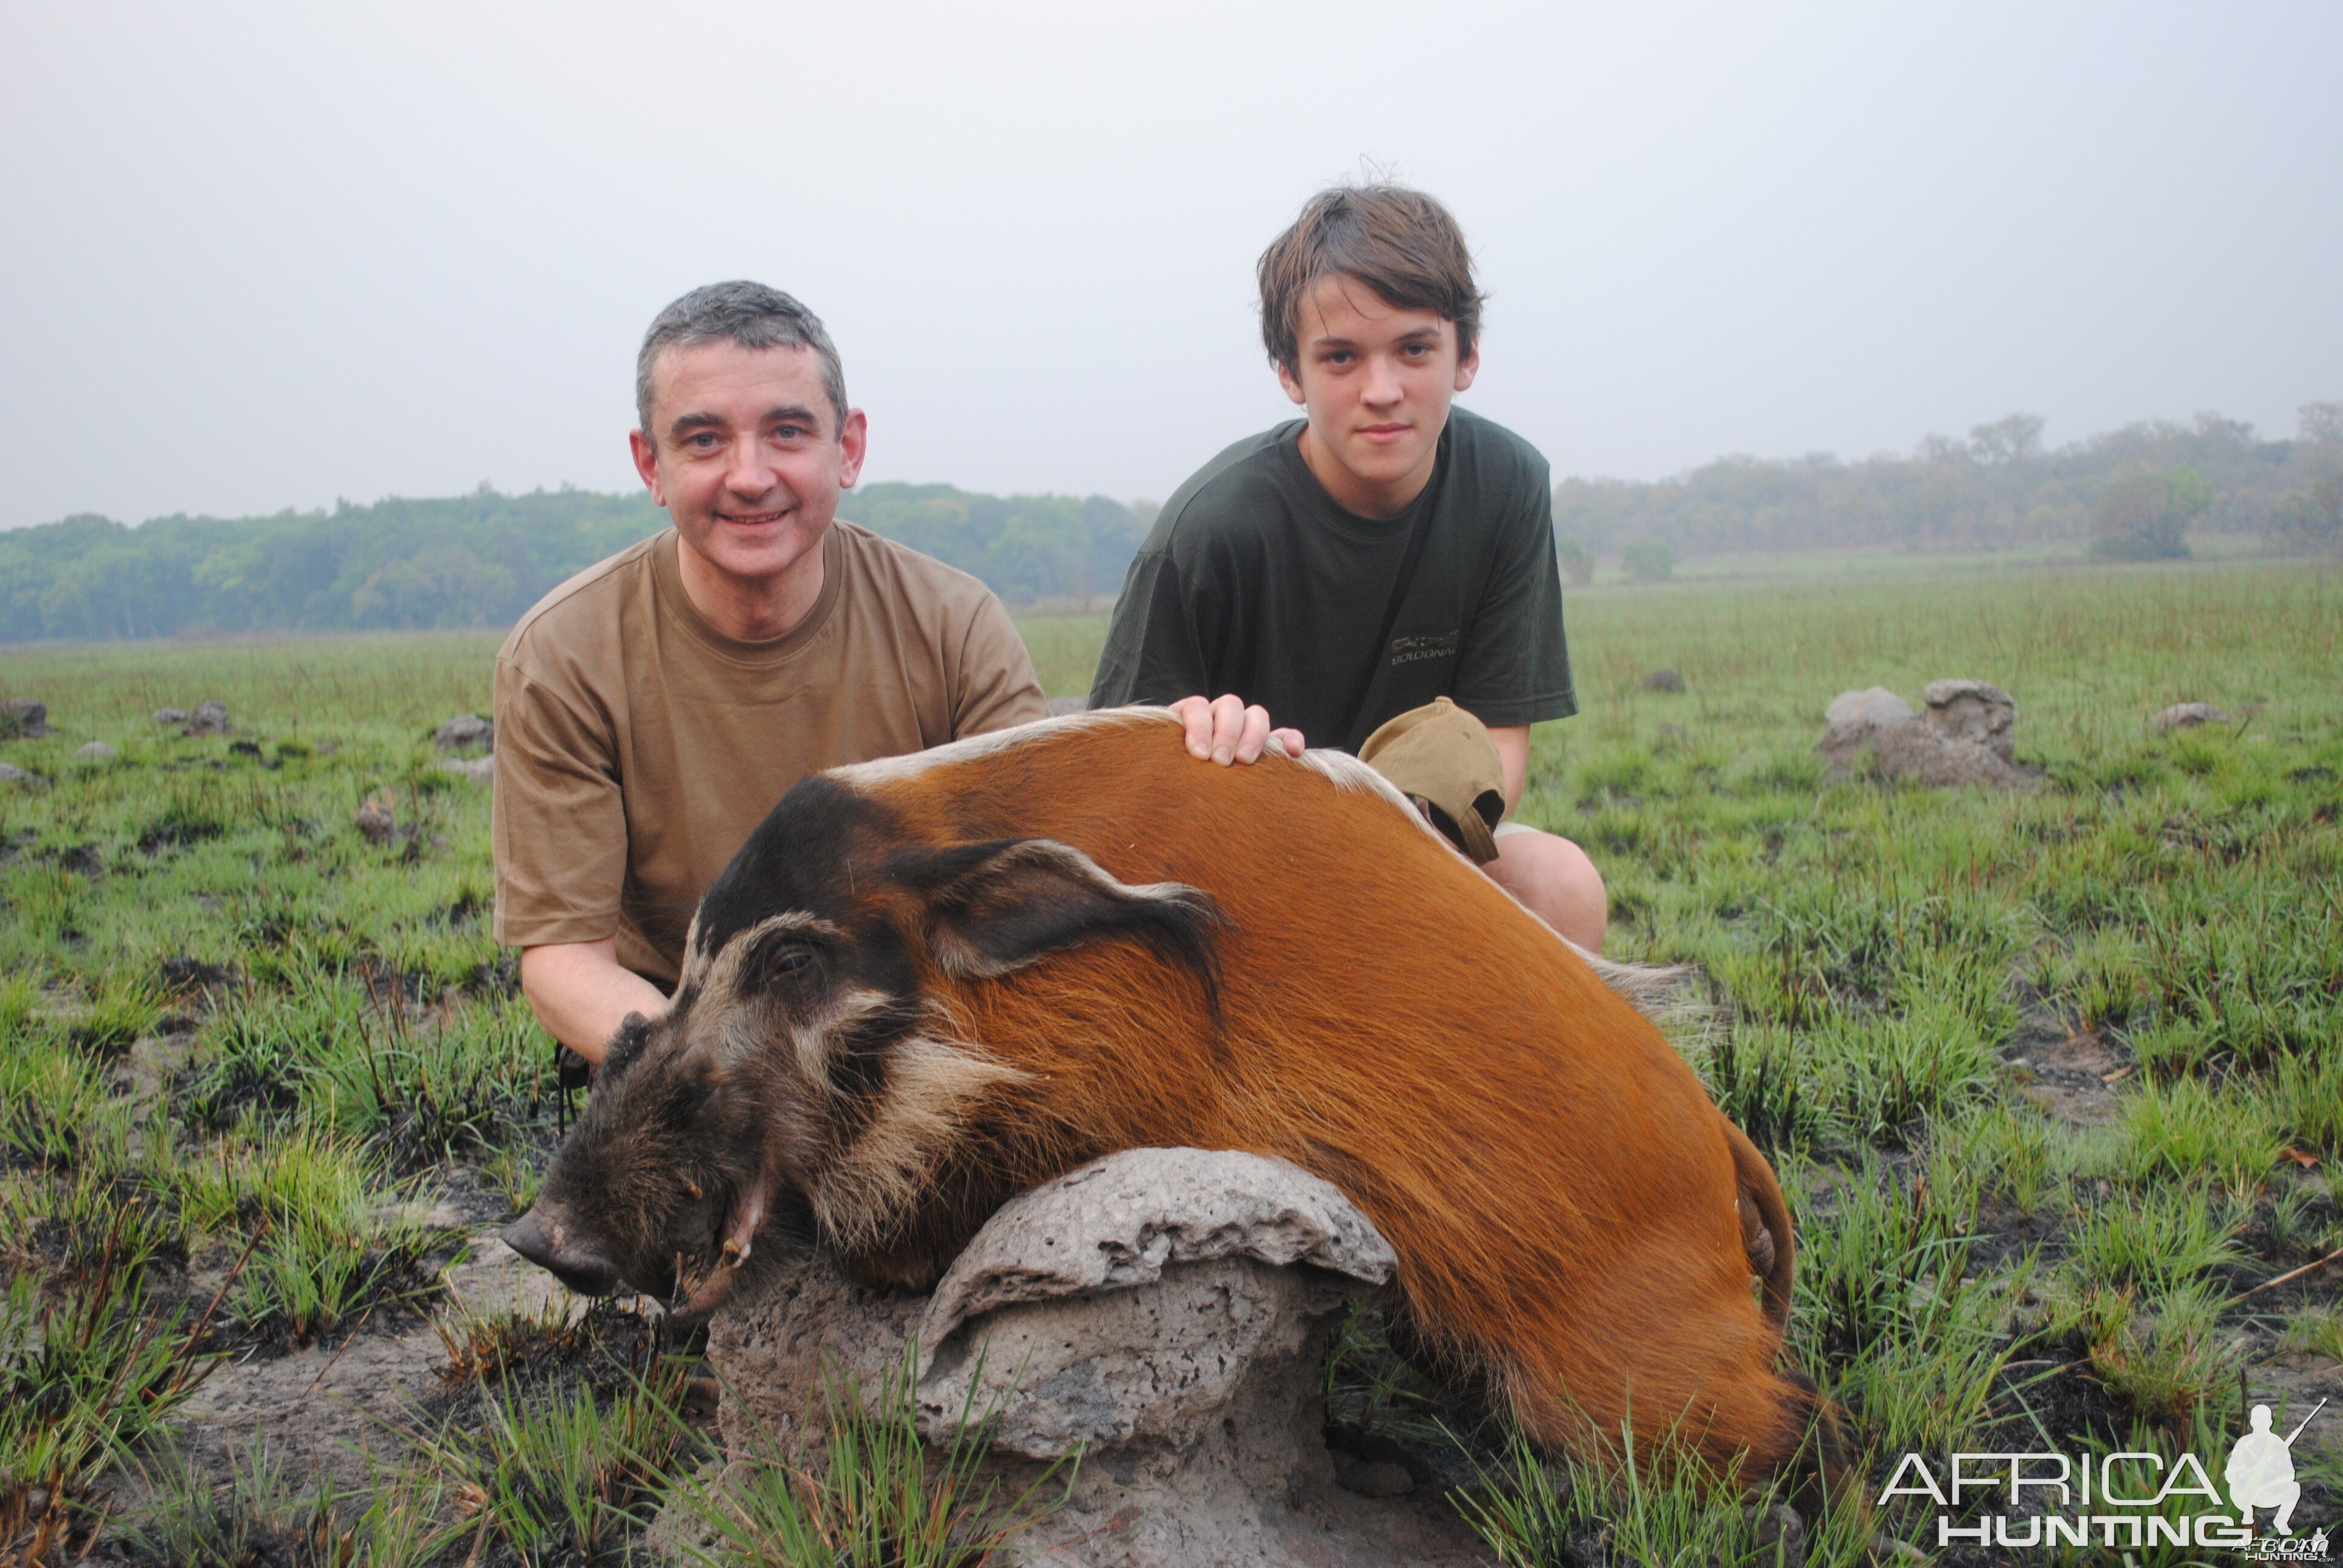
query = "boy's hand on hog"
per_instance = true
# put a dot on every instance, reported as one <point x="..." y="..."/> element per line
<point x="1226" y="730"/>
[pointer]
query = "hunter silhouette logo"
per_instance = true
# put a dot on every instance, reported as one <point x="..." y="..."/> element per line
<point x="2261" y="1471"/>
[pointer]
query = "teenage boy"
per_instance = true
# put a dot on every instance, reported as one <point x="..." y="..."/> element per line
<point x="1387" y="550"/>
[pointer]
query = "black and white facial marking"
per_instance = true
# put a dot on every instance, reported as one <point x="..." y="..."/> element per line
<point x="804" y="1064"/>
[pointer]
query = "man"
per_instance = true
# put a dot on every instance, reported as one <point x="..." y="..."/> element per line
<point x="653" y="708"/>
<point x="1385" y="550"/>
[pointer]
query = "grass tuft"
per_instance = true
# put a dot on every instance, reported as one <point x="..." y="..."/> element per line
<point x="1615" y="1506"/>
<point x="877" y="1493"/>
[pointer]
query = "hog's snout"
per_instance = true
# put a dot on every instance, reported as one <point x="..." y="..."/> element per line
<point x="544" y="1241"/>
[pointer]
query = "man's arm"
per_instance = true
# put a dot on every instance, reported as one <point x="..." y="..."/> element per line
<point x="560" y="829"/>
<point x="581" y="995"/>
<point x="993" y="683"/>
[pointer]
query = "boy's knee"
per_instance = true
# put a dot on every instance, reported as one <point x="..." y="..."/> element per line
<point x="1556" y="881"/>
<point x="1582" y="893"/>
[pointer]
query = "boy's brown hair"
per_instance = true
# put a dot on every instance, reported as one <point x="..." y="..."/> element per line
<point x="1399" y="242"/>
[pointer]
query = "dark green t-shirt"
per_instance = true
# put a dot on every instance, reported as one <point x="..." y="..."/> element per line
<point x="1254" y="580"/>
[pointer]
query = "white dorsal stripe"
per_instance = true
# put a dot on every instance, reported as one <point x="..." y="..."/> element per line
<point x="1654" y="992"/>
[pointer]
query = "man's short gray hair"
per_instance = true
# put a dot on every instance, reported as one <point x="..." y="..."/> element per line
<point x="749" y="314"/>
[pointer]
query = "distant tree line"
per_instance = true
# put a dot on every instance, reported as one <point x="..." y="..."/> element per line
<point x="1025" y="547"/>
<point x="2132" y="494"/>
<point x="481" y="560"/>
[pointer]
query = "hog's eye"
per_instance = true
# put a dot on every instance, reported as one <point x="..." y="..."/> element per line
<point x="783" y="962"/>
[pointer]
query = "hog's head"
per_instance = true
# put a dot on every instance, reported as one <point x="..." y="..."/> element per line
<point x="810" y="1073"/>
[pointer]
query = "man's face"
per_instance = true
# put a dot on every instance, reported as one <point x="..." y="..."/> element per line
<point x="747" y="455"/>
<point x="1377" y="381"/>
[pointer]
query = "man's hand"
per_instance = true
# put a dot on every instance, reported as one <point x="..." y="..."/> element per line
<point x="1224" y="730"/>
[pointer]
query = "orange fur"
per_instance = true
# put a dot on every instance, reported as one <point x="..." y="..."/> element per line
<point x="1560" y="1190"/>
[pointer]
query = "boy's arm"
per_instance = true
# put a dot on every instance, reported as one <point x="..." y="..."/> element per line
<point x="1153" y="652"/>
<point x="1513" y="744"/>
<point x="1514" y="668"/>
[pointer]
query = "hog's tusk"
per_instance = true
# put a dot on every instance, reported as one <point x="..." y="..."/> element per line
<point x="747" y="1215"/>
<point x="692" y="1188"/>
<point x="707" y="1297"/>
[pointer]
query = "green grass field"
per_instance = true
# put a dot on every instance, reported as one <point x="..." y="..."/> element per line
<point x="2054" y="1077"/>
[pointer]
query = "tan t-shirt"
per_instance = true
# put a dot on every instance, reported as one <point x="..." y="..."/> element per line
<point x="637" y="746"/>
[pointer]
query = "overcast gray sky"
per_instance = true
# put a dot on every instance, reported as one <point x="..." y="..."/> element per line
<point x="259" y="256"/>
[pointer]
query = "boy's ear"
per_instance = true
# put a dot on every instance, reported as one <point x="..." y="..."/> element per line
<point x="1292" y="385"/>
<point x="1468" y="367"/>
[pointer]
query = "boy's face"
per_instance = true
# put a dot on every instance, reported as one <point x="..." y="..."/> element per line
<point x="1377" y="381"/>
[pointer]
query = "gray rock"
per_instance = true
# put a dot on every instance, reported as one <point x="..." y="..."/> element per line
<point x="1913" y="753"/>
<point x="2188" y="716"/>
<point x="466" y="732"/>
<point x="374" y="822"/>
<point x="1167" y="1309"/>
<point x="1666" y="731"/>
<point x="1061" y="706"/>
<point x="1664" y="680"/>
<point x="1973" y="711"/>
<point x="12" y="774"/>
<point x="208" y="718"/>
<point x="481" y="769"/>
<point x="97" y="751"/>
<point x="1853" y="718"/>
<point x="1971" y="743"/>
<point x="1154" y="1366"/>
<point x="1094" y="1369"/>
<point x="27" y="716"/>
<point x="1781" y="1528"/>
<point x="170" y="716"/>
<point x="1118" y="1221"/>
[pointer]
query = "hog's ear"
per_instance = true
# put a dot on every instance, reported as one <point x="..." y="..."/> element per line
<point x="998" y="906"/>
<point x="634" y="1031"/>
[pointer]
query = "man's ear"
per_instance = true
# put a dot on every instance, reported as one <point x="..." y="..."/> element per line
<point x="853" y="444"/>
<point x="996" y="906"/>
<point x="646" y="456"/>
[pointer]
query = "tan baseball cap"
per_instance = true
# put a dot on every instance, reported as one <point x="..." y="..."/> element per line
<point x="1441" y="758"/>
